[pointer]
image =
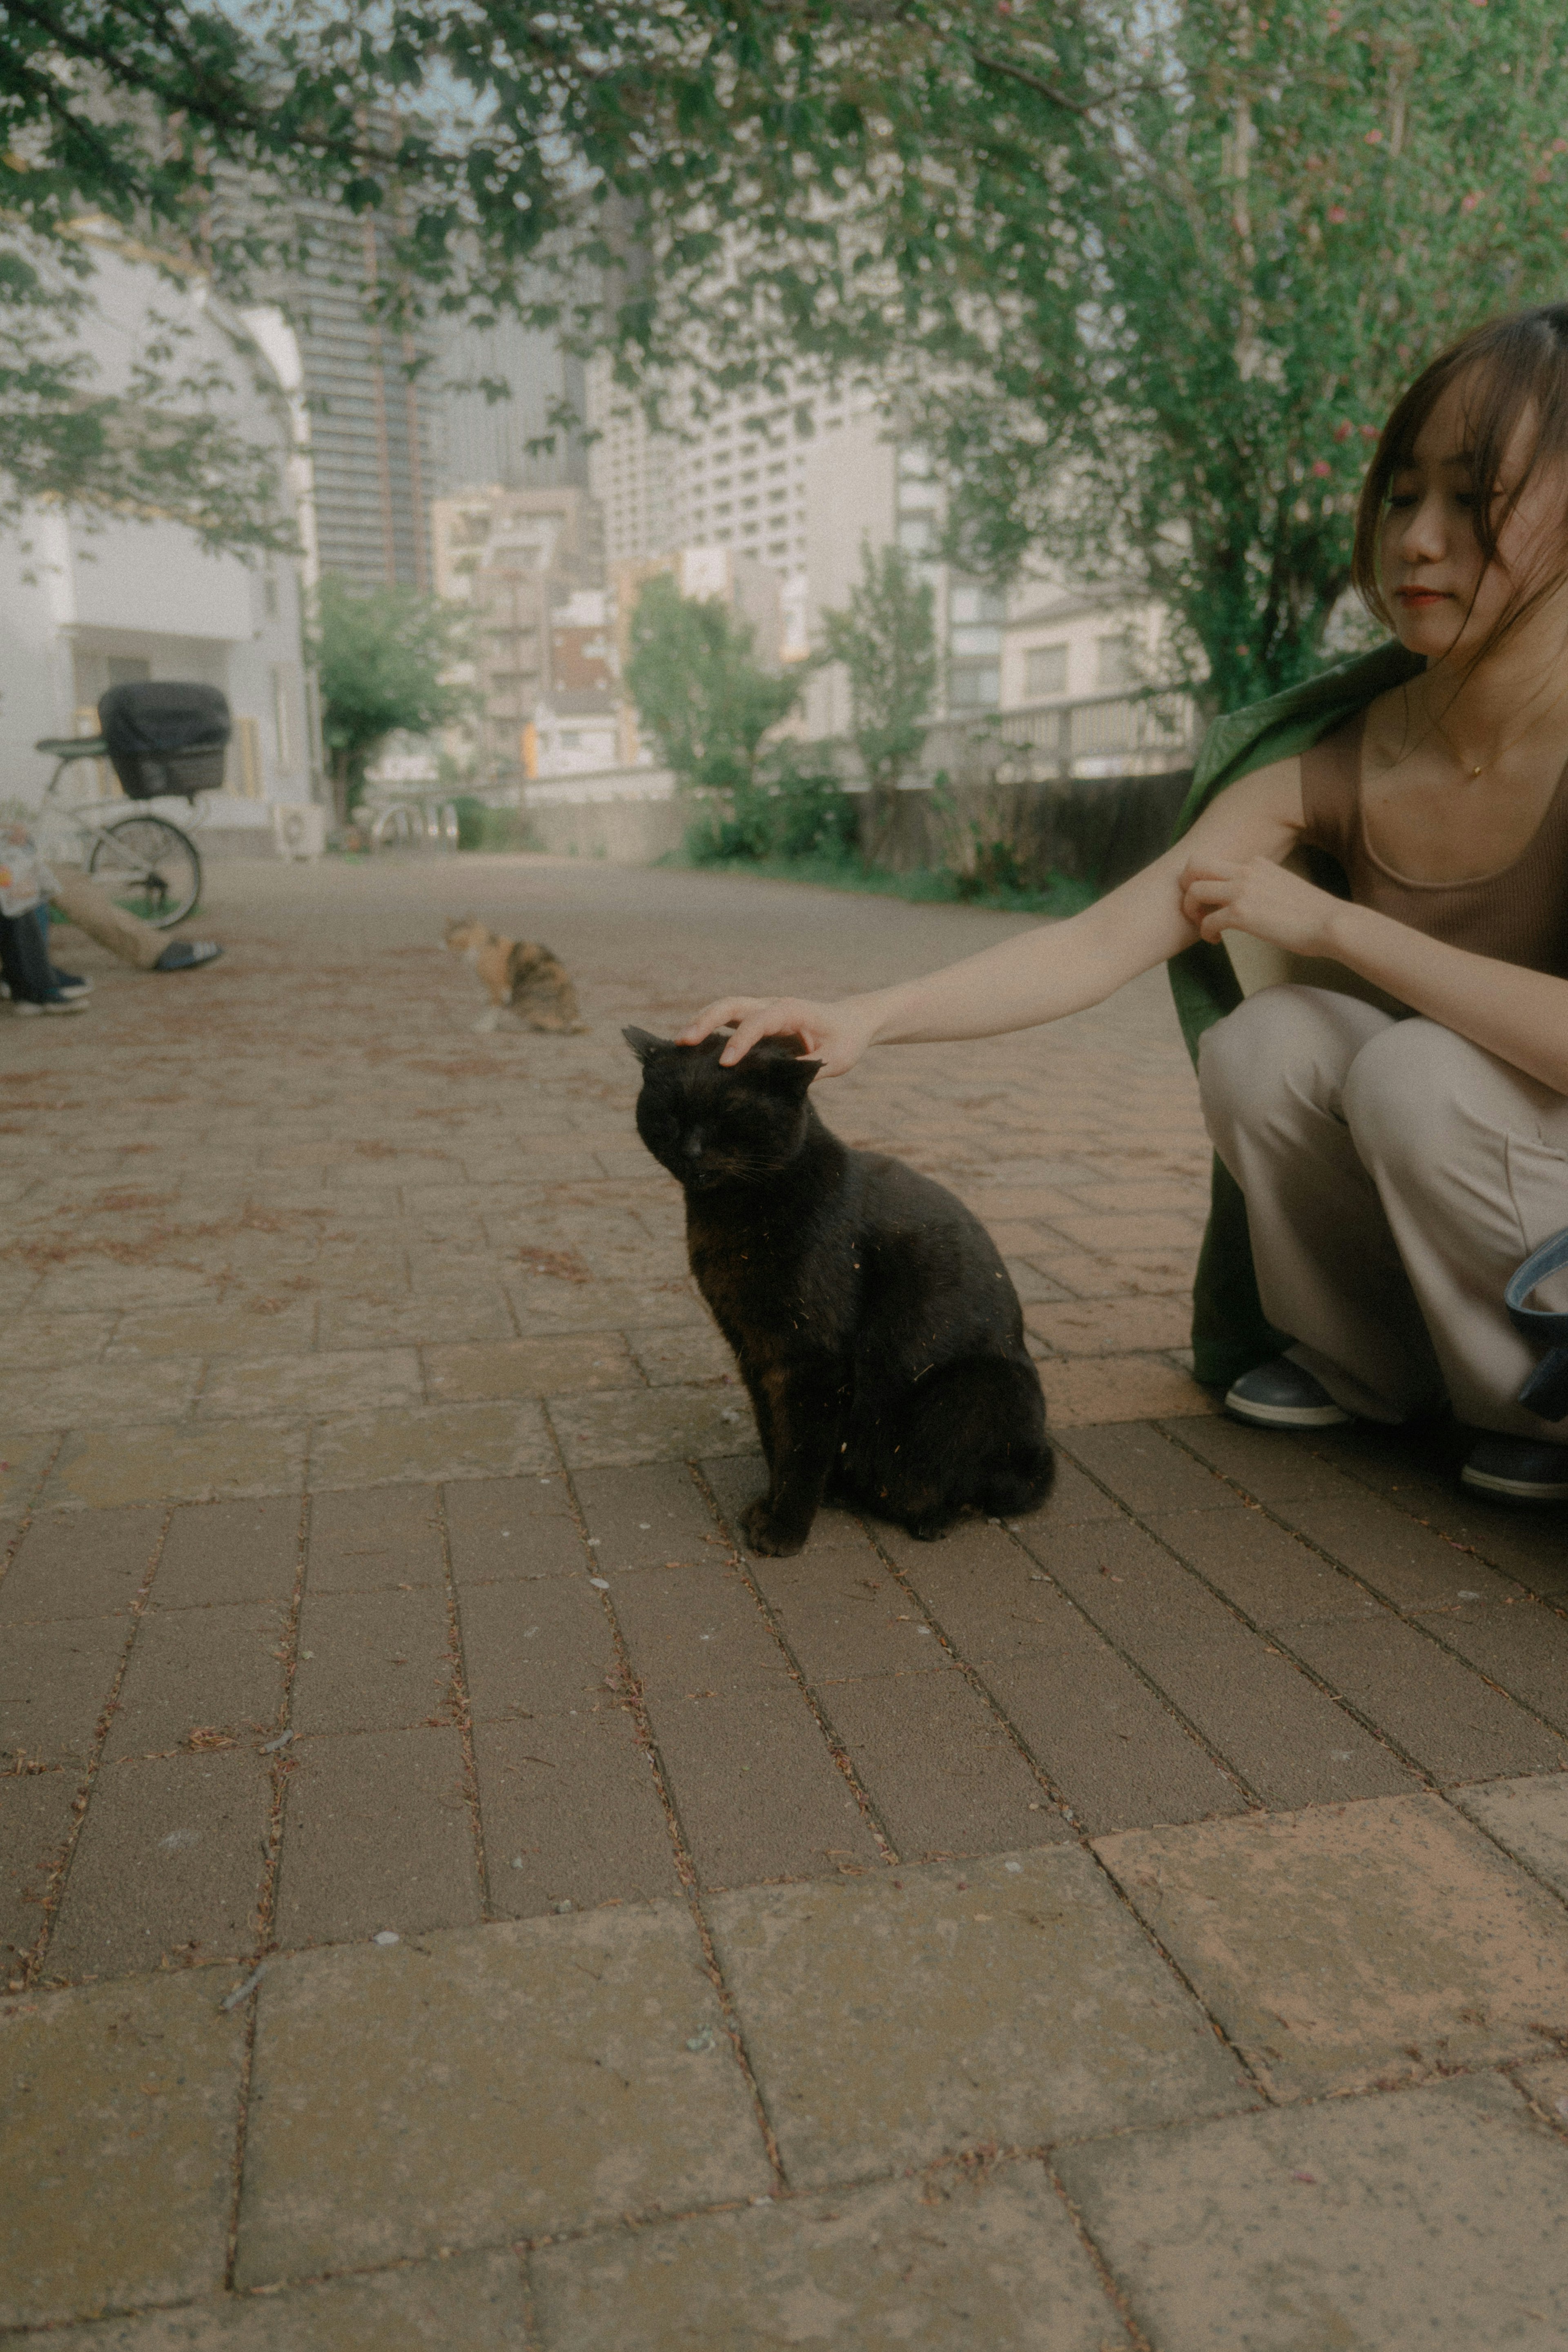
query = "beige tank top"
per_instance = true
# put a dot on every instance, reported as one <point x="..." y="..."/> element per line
<point x="1520" y="916"/>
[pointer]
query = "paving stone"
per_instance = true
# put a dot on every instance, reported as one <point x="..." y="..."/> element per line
<point x="376" y="1834"/>
<point x="578" y="2070"/>
<point x="1407" y="1564"/>
<point x="842" y="1613"/>
<point x="1353" y="1944"/>
<point x="1275" y="1465"/>
<point x="669" y="1357"/>
<point x="80" y="1564"/>
<point x="535" y="1647"/>
<point x="1290" y="1742"/>
<point x="693" y="1629"/>
<point x="72" y="1287"/>
<point x="23" y="1462"/>
<point x="430" y="1444"/>
<point x="1089" y="1389"/>
<point x="940" y="1768"/>
<point x="37" y="1814"/>
<point x="179" y="1462"/>
<point x="393" y="1321"/>
<point x="336" y="1381"/>
<point x="754" y="1784"/>
<point x="372" y="1661"/>
<point x="500" y="1527"/>
<point x="289" y="1328"/>
<point x="375" y="1539"/>
<point x="546" y="1304"/>
<point x="1098" y="1327"/>
<point x="228" y="1553"/>
<point x="1528" y="1818"/>
<point x="652" y="1424"/>
<point x="199" y="1671"/>
<point x="1548" y="2086"/>
<point x="570" y="1813"/>
<point x="1144" y="1470"/>
<point x="531" y="1368"/>
<point x="473" y="2301"/>
<point x="1273" y="1576"/>
<point x="1437" y="1708"/>
<point x="168" y="1867"/>
<point x="1522" y="1644"/>
<point x="115" y="2182"/>
<point x="1103" y="1738"/>
<point x="64" y="1396"/>
<point x="895" y="2020"/>
<point x="901" y="2264"/>
<point x="1429" y="2217"/>
<point x="55" y="1683"/>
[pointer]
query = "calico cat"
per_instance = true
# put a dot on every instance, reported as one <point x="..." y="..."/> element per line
<point x="519" y="974"/>
<point x="876" y="1328"/>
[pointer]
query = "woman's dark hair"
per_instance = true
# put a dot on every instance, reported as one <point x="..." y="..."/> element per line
<point x="1516" y="369"/>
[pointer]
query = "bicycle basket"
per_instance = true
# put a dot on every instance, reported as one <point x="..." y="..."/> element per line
<point x="163" y="737"/>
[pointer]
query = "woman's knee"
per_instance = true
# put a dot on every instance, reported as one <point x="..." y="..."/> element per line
<point x="1416" y="1091"/>
<point x="1284" y="1042"/>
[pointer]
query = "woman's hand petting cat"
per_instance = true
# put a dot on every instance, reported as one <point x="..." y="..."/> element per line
<point x="835" y="1034"/>
<point x="1260" y="898"/>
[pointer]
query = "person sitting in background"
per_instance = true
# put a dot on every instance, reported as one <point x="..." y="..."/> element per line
<point x="34" y="984"/>
<point x="92" y="910"/>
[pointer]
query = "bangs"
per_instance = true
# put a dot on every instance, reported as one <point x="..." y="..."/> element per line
<point x="1513" y="373"/>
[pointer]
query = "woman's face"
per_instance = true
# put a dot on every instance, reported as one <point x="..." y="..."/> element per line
<point x="1445" y="600"/>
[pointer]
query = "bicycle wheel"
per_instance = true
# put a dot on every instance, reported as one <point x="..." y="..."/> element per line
<point x="149" y="867"/>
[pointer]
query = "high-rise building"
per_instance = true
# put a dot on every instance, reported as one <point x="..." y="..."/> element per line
<point x="527" y="562"/>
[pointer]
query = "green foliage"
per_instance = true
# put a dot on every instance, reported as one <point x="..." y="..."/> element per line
<point x="383" y="658"/>
<point x="886" y="640"/>
<point x="708" y="704"/>
<point x="1144" y="280"/>
<point x="482" y="826"/>
<point x="796" y="810"/>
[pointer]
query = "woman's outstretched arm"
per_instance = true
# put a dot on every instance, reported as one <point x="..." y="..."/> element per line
<point x="1041" y="974"/>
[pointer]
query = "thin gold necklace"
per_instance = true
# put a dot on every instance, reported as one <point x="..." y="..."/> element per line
<point x="1491" y="761"/>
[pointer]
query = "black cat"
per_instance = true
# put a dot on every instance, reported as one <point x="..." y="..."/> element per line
<point x="876" y="1328"/>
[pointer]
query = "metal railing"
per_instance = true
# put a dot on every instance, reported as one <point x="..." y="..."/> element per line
<point x="1145" y="731"/>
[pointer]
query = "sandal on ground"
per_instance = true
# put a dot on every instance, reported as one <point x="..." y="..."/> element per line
<point x="1518" y="1470"/>
<point x="187" y="955"/>
<point x="1283" y="1395"/>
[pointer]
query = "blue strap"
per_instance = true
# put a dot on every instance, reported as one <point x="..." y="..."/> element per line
<point x="1546" y="1390"/>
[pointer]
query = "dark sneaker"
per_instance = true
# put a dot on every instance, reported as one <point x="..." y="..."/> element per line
<point x="1282" y="1395"/>
<point x="1518" y="1469"/>
<point x="187" y="955"/>
<point x="68" y="983"/>
<point x="24" y="1008"/>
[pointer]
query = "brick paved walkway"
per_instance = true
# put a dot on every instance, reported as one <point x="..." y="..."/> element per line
<point x="1143" y="1924"/>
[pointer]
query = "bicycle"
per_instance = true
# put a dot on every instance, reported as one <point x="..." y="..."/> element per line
<point x="151" y="867"/>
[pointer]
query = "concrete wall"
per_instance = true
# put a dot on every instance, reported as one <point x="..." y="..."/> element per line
<point x="623" y="832"/>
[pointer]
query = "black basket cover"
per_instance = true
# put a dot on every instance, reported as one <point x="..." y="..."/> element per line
<point x="165" y="737"/>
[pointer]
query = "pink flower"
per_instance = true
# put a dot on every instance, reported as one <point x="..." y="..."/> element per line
<point x="1337" y="213"/>
<point x="1375" y="138"/>
<point x="1320" y="466"/>
<point x="1369" y="431"/>
<point x="1468" y="203"/>
<point x="1342" y="432"/>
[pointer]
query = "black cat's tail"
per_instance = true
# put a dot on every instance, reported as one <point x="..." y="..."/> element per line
<point x="971" y="1436"/>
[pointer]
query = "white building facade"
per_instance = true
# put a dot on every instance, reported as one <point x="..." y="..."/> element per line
<point x="86" y="602"/>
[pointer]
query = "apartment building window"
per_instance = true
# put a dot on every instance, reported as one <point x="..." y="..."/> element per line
<point x="977" y="687"/>
<point x="1116" y="667"/>
<point x="1045" y="670"/>
<point x="916" y="534"/>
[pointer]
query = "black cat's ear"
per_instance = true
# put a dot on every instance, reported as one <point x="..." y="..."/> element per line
<point x="644" y="1045"/>
<point x="781" y="1063"/>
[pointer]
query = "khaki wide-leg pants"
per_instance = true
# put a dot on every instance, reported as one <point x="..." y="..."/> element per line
<point x="94" y="911"/>
<point x="1395" y="1175"/>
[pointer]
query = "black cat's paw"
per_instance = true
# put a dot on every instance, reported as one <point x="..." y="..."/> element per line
<point x="763" y="1533"/>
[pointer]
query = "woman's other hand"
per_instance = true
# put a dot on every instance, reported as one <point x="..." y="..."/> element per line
<point x="835" y="1034"/>
<point x="1260" y="898"/>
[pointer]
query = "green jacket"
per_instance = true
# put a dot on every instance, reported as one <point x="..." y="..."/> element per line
<point x="1230" y="1332"/>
